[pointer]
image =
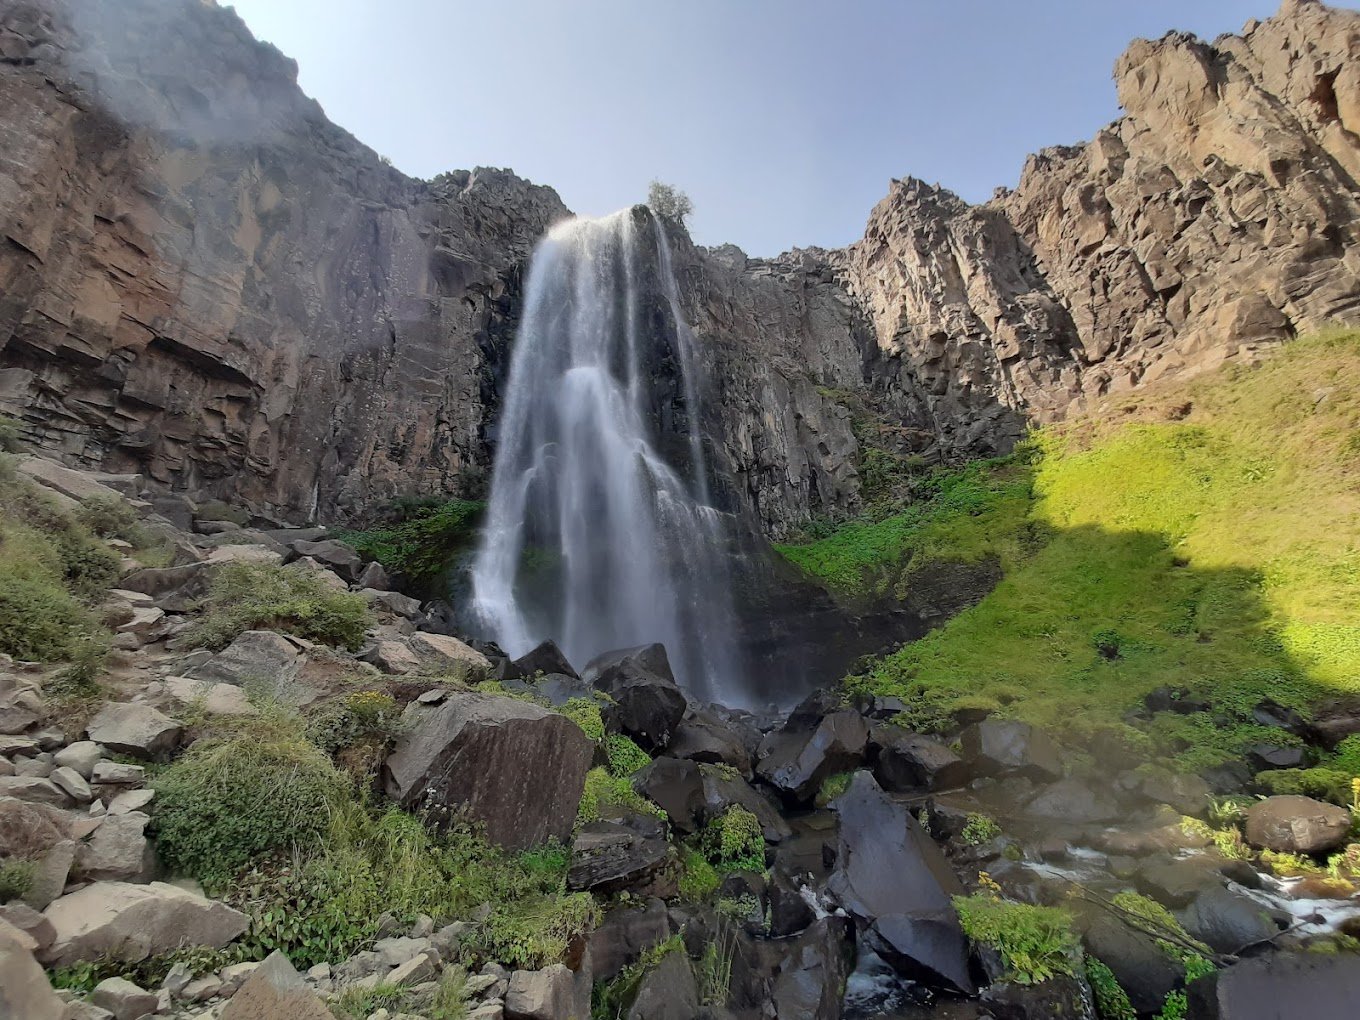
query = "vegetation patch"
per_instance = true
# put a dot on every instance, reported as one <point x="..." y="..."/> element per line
<point x="256" y="596"/>
<point x="625" y="757"/>
<point x="606" y="795"/>
<point x="1034" y="943"/>
<point x="420" y="539"/>
<point x="733" y="841"/>
<point x="1112" y="1002"/>
<point x="1202" y="539"/>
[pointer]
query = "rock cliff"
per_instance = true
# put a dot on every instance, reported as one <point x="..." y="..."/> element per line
<point x="203" y="279"/>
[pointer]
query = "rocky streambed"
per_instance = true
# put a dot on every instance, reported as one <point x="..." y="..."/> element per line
<point x="822" y="862"/>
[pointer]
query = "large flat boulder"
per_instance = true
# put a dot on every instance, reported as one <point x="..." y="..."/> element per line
<point x="693" y="794"/>
<point x="1280" y="986"/>
<point x="257" y="656"/>
<point x="510" y="766"/>
<point x="892" y="879"/>
<point x="440" y="653"/>
<point x="797" y="763"/>
<point x="138" y="730"/>
<point x="608" y="858"/>
<point x="121" y="921"/>
<point x="1298" y="825"/>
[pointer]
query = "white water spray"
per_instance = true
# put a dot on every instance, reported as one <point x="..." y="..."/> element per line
<point x="593" y="538"/>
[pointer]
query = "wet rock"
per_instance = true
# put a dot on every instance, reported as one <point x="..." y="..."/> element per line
<point x="692" y="795"/>
<point x="1143" y="970"/>
<point x="511" y="766"/>
<point x="624" y="934"/>
<point x="1227" y="922"/>
<point x="668" y="991"/>
<point x="797" y="765"/>
<point x="1174" y="882"/>
<point x="704" y="736"/>
<point x="1187" y="794"/>
<point x="607" y="858"/>
<point x="1297" y="825"/>
<point x="647" y="705"/>
<point x="257" y="656"/>
<point x="909" y="762"/>
<point x="275" y="990"/>
<point x="892" y="879"/>
<point x="131" y="922"/>
<point x="1271" y="713"/>
<point x="813" y="973"/>
<point x="790" y="912"/>
<point x="997" y="747"/>
<point x="1058" y="998"/>
<point x="1263" y="757"/>
<point x="1279" y="986"/>
<point x="558" y="689"/>
<point x="543" y="658"/>
<point x="1075" y="801"/>
<point x="122" y="998"/>
<point x="138" y="730"/>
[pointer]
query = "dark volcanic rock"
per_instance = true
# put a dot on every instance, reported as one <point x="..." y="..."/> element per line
<point x="608" y="858"/>
<point x="1280" y="986"/>
<point x="1058" y="998"/>
<point x="1002" y="747"/>
<point x="704" y="736"/>
<point x="1143" y="970"/>
<point x="797" y="764"/>
<point x="668" y="991"/>
<point x="813" y="972"/>
<point x="544" y="658"/>
<point x="910" y="762"/>
<point x="624" y="934"/>
<point x="693" y="794"/>
<point x="1297" y="825"/>
<point x="892" y="879"/>
<point x="1227" y="922"/>
<point x="511" y="766"/>
<point x="646" y="704"/>
<point x="1075" y="801"/>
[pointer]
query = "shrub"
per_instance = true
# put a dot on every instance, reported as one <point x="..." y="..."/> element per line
<point x="734" y="841"/>
<point x="40" y="621"/>
<point x="111" y="517"/>
<point x="16" y="877"/>
<point x="227" y="802"/>
<point x="585" y="713"/>
<point x="9" y="434"/>
<point x="423" y="542"/>
<point x="1035" y="943"/>
<point x="624" y="756"/>
<point x="254" y="596"/>
<point x="978" y="829"/>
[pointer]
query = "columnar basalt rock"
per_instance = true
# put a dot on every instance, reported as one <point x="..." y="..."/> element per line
<point x="207" y="282"/>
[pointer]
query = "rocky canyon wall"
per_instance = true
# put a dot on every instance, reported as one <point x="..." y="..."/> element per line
<point x="204" y="279"/>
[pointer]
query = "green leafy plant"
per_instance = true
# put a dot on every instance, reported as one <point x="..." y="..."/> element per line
<point x="253" y="596"/>
<point x="1034" y="943"/>
<point x="605" y="794"/>
<point x="624" y="756"/>
<point x="585" y="713"/>
<point x="698" y="878"/>
<point x="16" y="878"/>
<point x="422" y="539"/>
<point x="978" y="829"/>
<point x="1112" y="1002"/>
<point x="111" y="517"/>
<point x="832" y="787"/>
<point x="733" y="841"/>
<point x="9" y="434"/>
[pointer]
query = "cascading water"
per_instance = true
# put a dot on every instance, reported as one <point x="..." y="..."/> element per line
<point x="595" y="537"/>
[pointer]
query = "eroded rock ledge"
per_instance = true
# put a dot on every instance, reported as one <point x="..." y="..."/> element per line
<point x="205" y="280"/>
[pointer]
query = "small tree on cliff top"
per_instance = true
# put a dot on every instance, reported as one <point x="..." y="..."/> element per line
<point x="669" y="203"/>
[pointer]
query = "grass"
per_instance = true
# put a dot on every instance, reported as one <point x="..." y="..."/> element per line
<point x="256" y="596"/>
<point x="1034" y="943"/>
<point x="420" y="539"/>
<point x="52" y="569"/>
<point x="1202" y="537"/>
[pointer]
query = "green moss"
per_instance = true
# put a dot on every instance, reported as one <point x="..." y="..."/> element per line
<point x="978" y="829"/>
<point x="421" y="540"/>
<point x="698" y="879"/>
<point x="585" y="713"/>
<point x="1212" y="553"/>
<point x="832" y="787"/>
<point x="605" y="794"/>
<point x="733" y="841"/>
<point x="254" y="596"/>
<point x="1321" y="783"/>
<point x="1112" y="1002"/>
<point x="625" y="757"/>
<point x="1035" y="943"/>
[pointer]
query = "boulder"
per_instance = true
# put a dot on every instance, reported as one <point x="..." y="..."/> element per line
<point x="126" y="922"/>
<point x="336" y="555"/>
<point x="789" y="911"/>
<point x="275" y="991"/>
<point x="1143" y="970"/>
<point x="608" y="858"/>
<point x="393" y="602"/>
<point x="73" y="484"/>
<point x="646" y="703"/>
<point x="117" y="851"/>
<point x="131" y="800"/>
<point x="82" y="756"/>
<point x="374" y="576"/>
<point x="511" y="766"/>
<point x="25" y="993"/>
<point x="34" y="789"/>
<point x="440" y="653"/>
<point x="209" y="697"/>
<point x="1074" y="801"/>
<point x="392" y="655"/>
<point x="257" y="656"/>
<point x="73" y="783"/>
<point x="910" y="762"/>
<point x="539" y="994"/>
<point x="813" y="973"/>
<point x="892" y="879"/>
<point x="21" y="705"/>
<point x="559" y="688"/>
<point x="624" y="934"/>
<point x="692" y="795"/>
<point x="669" y="992"/>
<point x="29" y="921"/>
<point x="1186" y="793"/>
<point x="1279" y="986"/>
<point x="138" y="730"/>
<point x="122" y="998"/>
<point x="1058" y="998"/>
<point x="797" y="764"/>
<point x="1175" y="881"/>
<point x="245" y="553"/>
<point x="545" y="658"/>
<point x="1227" y="922"/>
<point x="117" y="773"/>
<point x="1301" y="825"/>
<point x="1005" y="747"/>
<point x="704" y="736"/>
<point x="188" y="581"/>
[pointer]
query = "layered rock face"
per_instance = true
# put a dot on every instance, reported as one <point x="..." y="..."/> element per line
<point x="203" y="279"/>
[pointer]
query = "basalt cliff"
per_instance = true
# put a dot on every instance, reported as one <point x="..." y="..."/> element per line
<point x="204" y="280"/>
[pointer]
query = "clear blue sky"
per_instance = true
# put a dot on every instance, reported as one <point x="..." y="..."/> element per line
<point x="783" y="119"/>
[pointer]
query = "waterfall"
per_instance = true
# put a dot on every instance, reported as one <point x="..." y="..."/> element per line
<point x="600" y="533"/>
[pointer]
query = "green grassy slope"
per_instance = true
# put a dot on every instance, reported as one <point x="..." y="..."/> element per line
<point x="1205" y="537"/>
